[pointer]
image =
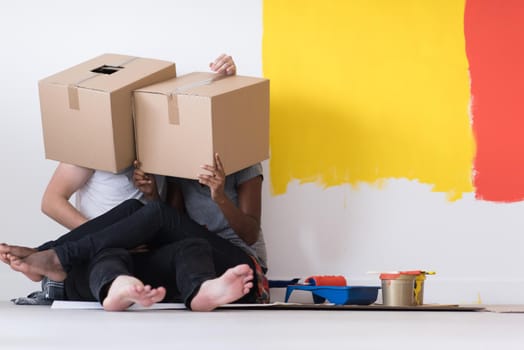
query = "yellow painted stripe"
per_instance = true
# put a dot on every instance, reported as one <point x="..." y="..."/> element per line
<point x="367" y="90"/>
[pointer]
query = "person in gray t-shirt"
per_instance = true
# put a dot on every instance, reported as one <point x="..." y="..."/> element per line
<point x="210" y="214"/>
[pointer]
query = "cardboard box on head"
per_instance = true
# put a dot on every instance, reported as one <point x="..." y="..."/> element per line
<point x="87" y="109"/>
<point x="182" y="122"/>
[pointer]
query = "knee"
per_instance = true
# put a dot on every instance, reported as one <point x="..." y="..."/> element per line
<point x="161" y="209"/>
<point x="111" y="254"/>
<point x="129" y="206"/>
<point x="105" y="266"/>
<point x="190" y="244"/>
<point x="133" y="204"/>
<point x="155" y="205"/>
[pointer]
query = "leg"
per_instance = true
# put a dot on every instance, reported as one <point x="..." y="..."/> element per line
<point x="14" y="250"/>
<point x="116" y="214"/>
<point x="199" y="262"/>
<point x="76" y="285"/>
<point x="188" y="266"/>
<point x="14" y="256"/>
<point x="128" y="290"/>
<point x="112" y="282"/>
<point x="155" y="224"/>
<point x="157" y="268"/>
<point x="231" y="286"/>
<point x="36" y="266"/>
<point x="227" y="255"/>
<point x="120" y="212"/>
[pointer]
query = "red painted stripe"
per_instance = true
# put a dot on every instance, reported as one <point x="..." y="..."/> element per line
<point x="494" y="33"/>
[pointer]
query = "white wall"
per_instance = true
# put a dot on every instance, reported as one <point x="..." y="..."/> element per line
<point x="474" y="246"/>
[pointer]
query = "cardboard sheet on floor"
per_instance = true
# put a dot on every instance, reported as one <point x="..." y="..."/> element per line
<point x="93" y="305"/>
<point x="510" y="309"/>
<point x="373" y="307"/>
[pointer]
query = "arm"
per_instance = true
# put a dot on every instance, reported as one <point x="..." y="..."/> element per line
<point x="146" y="183"/>
<point x="66" y="180"/>
<point x="244" y="219"/>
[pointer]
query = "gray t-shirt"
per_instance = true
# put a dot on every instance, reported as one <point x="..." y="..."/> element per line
<point x="203" y="210"/>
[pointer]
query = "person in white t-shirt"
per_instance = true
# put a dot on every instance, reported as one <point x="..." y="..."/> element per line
<point x="95" y="193"/>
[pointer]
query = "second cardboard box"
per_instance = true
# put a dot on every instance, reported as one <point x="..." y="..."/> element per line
<point x="182" y="122"/>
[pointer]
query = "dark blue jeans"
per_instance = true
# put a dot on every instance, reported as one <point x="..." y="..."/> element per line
<point x="183" y="254"/>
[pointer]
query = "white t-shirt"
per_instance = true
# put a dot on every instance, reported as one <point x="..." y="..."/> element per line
<point x="105" y="190"/>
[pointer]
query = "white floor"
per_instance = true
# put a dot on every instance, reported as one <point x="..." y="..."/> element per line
<point x="40" y="327"/>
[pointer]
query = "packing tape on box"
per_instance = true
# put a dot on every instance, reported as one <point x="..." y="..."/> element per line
<point x="72" y="92"/>
<point x="195" y="84"/>
<point x="72" y="95"/>
<point x="129" y="60"/>
<point x="72" y="89"/>
<point x="172" y="99"/>
<point x="172" y="109"/>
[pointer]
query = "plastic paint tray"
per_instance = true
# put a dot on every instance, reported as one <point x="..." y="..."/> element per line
<point x="348" y="295"/>
<point x="282" y="283"/>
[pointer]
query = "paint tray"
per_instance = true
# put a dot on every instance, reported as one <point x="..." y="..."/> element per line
<point x="282" y="283"/>
<point x="338" y="295"/>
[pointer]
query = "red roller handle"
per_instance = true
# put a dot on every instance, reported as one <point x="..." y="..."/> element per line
<point x="327" y="281"/>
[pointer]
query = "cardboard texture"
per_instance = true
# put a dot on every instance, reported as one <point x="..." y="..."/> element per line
<point x="87" y="109"/>
<point x="181" y="123"/>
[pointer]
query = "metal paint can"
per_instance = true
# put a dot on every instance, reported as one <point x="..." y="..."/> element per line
<point x="404" y="288"/>
<point x="398" y="289"/>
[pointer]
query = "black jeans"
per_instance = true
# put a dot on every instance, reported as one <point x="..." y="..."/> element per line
<point x="183" y="254"/>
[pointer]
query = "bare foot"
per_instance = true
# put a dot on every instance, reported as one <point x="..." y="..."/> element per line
<point x="15" y="262"/>
<point x="4" y="249"/>
<point x="18" y="251"/>
<point x="231" y="286"/>
<point x="127" y="290"/>
<point x="38" y="265"/>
